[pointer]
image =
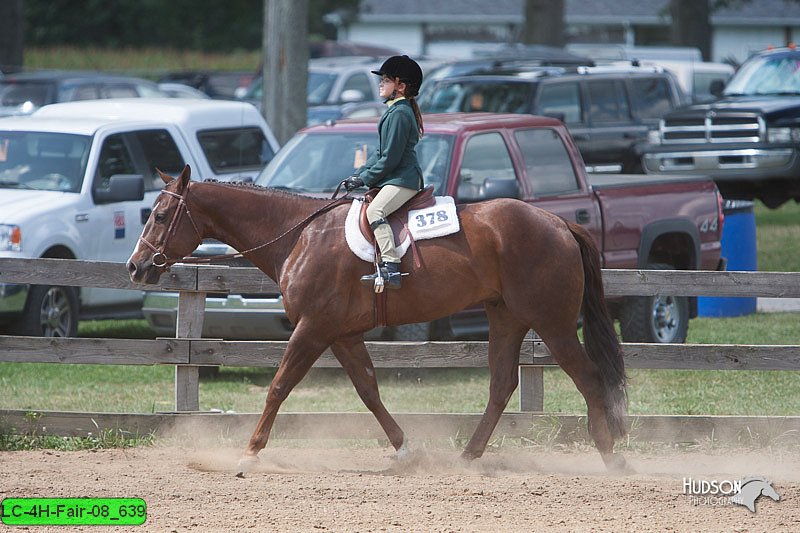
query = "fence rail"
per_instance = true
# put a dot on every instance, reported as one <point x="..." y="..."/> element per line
<point x="187" y="351"/>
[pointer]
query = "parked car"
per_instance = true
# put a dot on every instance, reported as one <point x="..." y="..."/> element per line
<point x="332" y="82"/>
<point x="608" y="110"/>
<point x="78" y="181"/>
<point x="221" y="84"/>
<point x="179" y="90"/>
<point x="323" y="113"/>
<point x="646" y="222"/>
<point x="748" y="141"/>
<point x="23" y="93"/>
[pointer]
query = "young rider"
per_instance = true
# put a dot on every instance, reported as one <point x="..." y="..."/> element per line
<point x="394" y="167"/>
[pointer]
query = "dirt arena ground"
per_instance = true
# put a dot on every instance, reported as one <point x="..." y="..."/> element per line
<point x="325" y="488"/>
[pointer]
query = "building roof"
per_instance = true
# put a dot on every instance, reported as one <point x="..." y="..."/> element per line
<point x="752" y="13"/>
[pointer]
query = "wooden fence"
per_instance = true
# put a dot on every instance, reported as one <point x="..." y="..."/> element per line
<point x="187" y="350"/>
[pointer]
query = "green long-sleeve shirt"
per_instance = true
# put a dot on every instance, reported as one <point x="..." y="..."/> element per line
<point x="395" y="161"/>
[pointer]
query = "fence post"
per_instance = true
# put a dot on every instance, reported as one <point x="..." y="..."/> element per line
<point x="531" y="383"/>
<point x="191" y="312"/>
<point x="531" y="388"/>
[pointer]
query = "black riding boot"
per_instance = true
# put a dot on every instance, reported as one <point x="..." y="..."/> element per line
<point x="391" y="276"/>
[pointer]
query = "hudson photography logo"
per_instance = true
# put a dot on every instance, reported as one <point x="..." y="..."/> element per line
<point x="721" y="492"/>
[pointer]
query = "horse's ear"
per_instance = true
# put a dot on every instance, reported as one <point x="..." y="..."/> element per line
<point x="166" y="178"/>
<point x="186" y="173"/>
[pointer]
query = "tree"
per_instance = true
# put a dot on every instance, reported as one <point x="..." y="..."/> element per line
<point x="544" y="22"/>
<point x="285" y="66"/>
<point x="12" y="19"/>
<point x="691" y="24"/>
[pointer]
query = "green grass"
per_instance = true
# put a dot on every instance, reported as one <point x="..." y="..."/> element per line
<point x="148" y="62"/>
<point x="777" y="233"/>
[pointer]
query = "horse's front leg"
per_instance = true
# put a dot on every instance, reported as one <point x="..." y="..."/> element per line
<point x="353" y="356"/>
<point x="505" y="340"/>
<point x="303" y="349"/>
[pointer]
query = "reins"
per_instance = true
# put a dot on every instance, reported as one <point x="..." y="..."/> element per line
<point x="164" y="261"/>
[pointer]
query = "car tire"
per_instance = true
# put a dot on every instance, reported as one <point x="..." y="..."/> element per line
<point x="420" y="331"/>
<point x="50" y="311"/>
<point x="655" y="319"/>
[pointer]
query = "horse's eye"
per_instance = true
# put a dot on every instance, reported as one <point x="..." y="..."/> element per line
<point x="160" y="218"/>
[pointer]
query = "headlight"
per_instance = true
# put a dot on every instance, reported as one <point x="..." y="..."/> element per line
<point x="783" y="135"/>
<point x="654" y="137"/>
<point x="10" y="238"/>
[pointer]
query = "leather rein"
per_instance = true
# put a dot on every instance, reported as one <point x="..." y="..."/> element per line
<point x="160" y="258"/>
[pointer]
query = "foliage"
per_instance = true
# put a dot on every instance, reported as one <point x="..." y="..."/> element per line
<point x="206" y="25"/>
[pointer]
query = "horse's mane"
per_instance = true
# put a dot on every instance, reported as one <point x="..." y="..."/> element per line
<point x="254" y="186"/>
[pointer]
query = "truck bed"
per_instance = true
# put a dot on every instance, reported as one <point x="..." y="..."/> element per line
<point x="611" y="181"/>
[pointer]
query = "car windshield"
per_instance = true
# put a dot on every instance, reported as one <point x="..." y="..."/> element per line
<point x="320" y="85"/>
<point x="318" y="162"/>
<point x="767" y="75"/>
<point x="474" y="96"/>
<point x="43" y="161"/>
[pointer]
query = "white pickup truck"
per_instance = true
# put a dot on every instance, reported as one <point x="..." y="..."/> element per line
<point x="77" y="181"/>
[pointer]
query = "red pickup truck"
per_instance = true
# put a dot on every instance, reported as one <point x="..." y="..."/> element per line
<point x="646" y="222"/>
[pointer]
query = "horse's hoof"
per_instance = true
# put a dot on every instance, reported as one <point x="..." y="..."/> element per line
<point x="403" y="454"/>
<point x="246" y="465"/>
<point x="616" y="464"/>
<point x="469" y="456"/>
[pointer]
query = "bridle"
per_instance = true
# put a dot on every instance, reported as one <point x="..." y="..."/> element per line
<point x="160" y="259"/>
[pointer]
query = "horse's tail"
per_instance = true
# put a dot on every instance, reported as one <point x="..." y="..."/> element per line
<point x="600" y="338"/>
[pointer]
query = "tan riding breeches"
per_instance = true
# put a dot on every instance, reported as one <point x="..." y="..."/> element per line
<point x="387" y="201"/>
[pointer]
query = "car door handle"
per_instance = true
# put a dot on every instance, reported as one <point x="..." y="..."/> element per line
<point x="145" y="214"/>
<point x="582" y="216"/>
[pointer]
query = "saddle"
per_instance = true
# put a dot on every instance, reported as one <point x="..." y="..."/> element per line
<point x="397" y="220"/>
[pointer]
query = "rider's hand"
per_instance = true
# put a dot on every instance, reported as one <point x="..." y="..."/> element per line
<point x="353" y="182"/>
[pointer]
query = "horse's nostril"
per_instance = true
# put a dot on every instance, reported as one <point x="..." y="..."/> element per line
<point x="131" y="267"/>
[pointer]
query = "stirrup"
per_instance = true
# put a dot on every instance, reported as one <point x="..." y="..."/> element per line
<point x="386" y="275"/>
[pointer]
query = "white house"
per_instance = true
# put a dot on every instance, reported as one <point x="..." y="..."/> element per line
<point x="454" y="27"/>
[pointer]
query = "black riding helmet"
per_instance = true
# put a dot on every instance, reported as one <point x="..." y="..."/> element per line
<point x="402" y="67"/>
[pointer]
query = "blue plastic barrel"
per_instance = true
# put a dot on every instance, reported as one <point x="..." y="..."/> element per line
<point x="739" y="248"/>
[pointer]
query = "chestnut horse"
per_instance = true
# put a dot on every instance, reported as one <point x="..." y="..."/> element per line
<point x="529" y="268"/>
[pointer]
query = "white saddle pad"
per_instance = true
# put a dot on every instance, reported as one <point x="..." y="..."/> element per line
<point x="435" y="221"/>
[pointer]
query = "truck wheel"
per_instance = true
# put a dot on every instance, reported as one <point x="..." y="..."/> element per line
<point x="49" y="312"/>
<point x="655" y="319"/>
<point x="421" y="331"/>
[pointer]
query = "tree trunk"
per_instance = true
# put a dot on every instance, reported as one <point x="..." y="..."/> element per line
<point x="285" y="66"/>
<point x="691" y="25"/>
<point x="11" y="35"/>
<point x="544" y="22"/>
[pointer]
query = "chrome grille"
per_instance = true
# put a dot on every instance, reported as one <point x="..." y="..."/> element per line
<point x="745" y="127"/>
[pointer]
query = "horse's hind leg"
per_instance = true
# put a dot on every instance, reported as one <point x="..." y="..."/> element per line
<point x="303" y="350"/>
<point x="506" y="334"/>
<point x="353" y="356"/>
<point x="573" y="359"/>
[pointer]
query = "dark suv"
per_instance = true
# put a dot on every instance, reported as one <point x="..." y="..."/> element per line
<point x="608" y="110"/>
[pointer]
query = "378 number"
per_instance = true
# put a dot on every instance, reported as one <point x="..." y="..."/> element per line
<point x="426" y="219"/>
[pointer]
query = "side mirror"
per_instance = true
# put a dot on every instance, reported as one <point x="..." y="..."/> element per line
<point x="121" y="188"/>
<point x="490" y="188"/>
<point x="716" y="87"/>
<point x="556" y="115"/>
<point x="352" y="95"/>
<point x="500" y="188"/>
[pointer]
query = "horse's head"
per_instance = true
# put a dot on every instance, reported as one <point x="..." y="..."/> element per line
<point x="170" y="233"/>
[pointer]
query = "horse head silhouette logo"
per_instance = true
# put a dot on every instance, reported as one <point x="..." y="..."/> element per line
<point x="752" y="489"/>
